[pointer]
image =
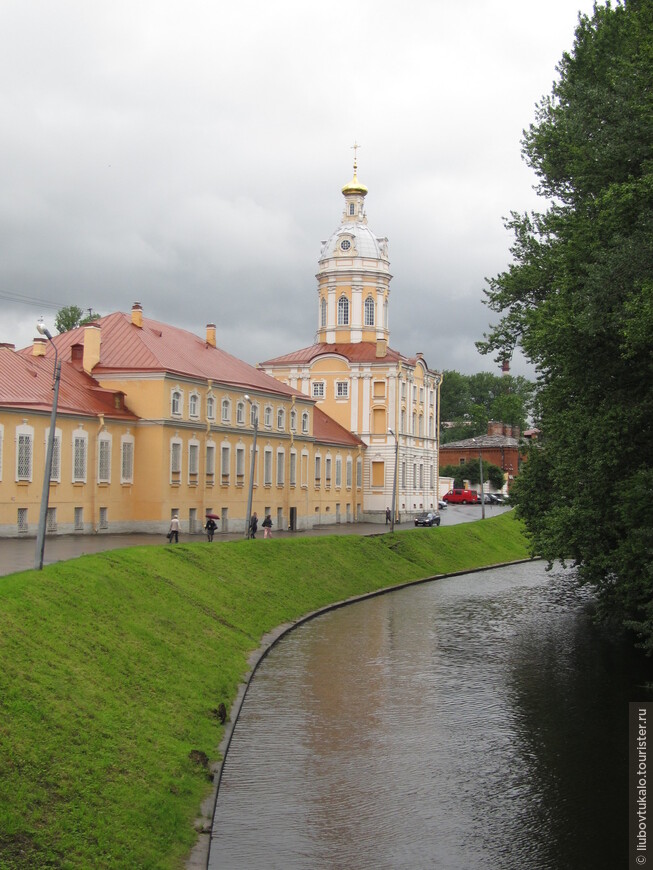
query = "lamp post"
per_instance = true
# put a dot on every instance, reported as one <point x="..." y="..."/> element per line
<point x="45" y="496"/>
<point x="394" y="480"/>
<point x="251" y="470"/>
<point x="480" y="465"/>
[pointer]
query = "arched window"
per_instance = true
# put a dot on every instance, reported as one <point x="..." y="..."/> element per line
<point x="305" y="422"/>
<point x="281" y="418"/>
<point x="343" y="311"/>
<point x="175" y="403"/>
<point x="240" y="412"/>
<point x="369" y="311"/>
<point x="210" y="408"/>
<point x="293" y="420"/>
<point x="226" y="411"/>
<point x="323" y="313"/>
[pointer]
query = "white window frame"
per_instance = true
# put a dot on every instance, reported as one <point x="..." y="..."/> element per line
<point x="370" y="310"/>
<point x="24" y="453"/>
<point x="127" y="458"/>
<point x="281" y="466"/>
<point x="293" y="420"/>
<point x="343" y="311"/>
<point x="323" y="313"/>
<point x="359" y="473"/>
<point x="194" y="405"/>
<point x="267" y="416"/>
<point x="292" y="468"/>
<point x="317" y="465"/>
<point x="338" y="470"/>
<point x="240" y="413"/>
<point x="327" y="470"/>
<point x="341" y="389"/>
<point x="210" y="459"/>
<point x="55" y="470"/>
<point x="104" y="450"/>
<point x="281" y="418"/>
<point x="176" y="402"/>
<point x="210" y="408"/>
<point x="176" y="459"/>
<point x="225" y="410"/>
<point x="80" y="456"/>
<point x="267" y="467"/>
<point x="305" y="422"/>
<point x="318" y="389"/>
<point x="225" y="464"/>
<point x="240" y="464"/>
<point x="349" y="472"/>
<point x="193" y="460"/>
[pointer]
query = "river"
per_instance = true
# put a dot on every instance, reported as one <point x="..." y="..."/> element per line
<point x="471" y="723"/>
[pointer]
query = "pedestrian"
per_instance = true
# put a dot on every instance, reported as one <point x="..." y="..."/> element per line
<point x="174" y="529"/>
<point x="253" y="525"/>
<point x="210" y="527"/>
<point x="388" y="516"/>
<point x="267" y="526"/>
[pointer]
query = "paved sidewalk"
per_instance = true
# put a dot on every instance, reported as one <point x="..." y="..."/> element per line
<point x="19" y="554"/>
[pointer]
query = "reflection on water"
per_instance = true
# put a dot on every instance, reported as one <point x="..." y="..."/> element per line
<point x="477" y="722"/>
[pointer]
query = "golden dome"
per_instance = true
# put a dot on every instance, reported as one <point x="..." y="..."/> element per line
<point x="354" y="186"/>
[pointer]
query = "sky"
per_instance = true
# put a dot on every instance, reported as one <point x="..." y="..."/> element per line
<point x="190" y="156"/>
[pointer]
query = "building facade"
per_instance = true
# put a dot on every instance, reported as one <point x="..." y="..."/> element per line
<point x="154" y="421"/>
<point x="499" y="447"/>
<point x="389" y="400"/>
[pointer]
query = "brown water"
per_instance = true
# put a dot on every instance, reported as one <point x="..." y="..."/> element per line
<point x="474" y="723"/>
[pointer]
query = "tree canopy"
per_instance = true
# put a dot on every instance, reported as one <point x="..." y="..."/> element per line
<point x="469" y="401"/>
<point x="72" y="316"/>
<point x="578" y="299"/>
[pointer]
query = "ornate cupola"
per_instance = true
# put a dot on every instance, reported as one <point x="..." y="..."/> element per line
<point x="353" y="276"/>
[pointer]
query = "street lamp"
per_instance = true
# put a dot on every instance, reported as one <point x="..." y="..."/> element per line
<point x="45" y="496"/>
<point x="251" y="470"/>
<point x="394" y="480"/>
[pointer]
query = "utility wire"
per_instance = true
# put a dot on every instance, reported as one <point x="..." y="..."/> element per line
<point x="31" y="300"/>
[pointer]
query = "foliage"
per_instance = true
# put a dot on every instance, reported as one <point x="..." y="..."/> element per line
<point x="114" y="665"/>
<point x="578" y="298"/>
<point x="469" y="401"/>
<point x="471" y="471"/>
<point x="72" y="316"/>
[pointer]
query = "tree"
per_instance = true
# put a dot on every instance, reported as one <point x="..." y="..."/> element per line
<point x="471" y="471"/>
<point x="578" y="298"/>
<point x="469" y="401"/>
<point x="72" y="316"/>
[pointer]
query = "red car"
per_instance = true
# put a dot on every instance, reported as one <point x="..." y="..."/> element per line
<point x="462" y="496"/>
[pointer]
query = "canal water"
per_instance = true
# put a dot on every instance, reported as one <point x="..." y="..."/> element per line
<point x="472" y="723"/>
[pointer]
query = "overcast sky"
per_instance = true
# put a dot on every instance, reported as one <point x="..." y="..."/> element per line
<point x="190" y="156"/>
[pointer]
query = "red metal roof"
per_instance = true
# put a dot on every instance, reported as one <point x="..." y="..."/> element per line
<point x="362" y="351"/>
<point x="27" y="381"/>
<point x="326" y="429"/>
<point x="160" y="347"/>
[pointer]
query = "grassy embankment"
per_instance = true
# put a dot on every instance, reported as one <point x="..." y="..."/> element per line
<point x="113" y="663"/>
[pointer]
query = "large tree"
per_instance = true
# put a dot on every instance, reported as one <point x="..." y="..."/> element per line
<point x="72" y="316"/>
<point x="578" y="298"/>
<point x="469" y="401"/>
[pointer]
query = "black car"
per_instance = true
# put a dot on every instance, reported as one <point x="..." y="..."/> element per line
<point x="428" y="518"/>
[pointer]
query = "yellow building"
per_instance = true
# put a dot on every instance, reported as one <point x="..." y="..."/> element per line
<point x="154" y="421"/>
<point x="354" y="375"/>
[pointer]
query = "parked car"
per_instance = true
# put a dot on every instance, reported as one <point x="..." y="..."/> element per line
<point x="441" y="504"/>
<point x="462" y="496"/>
<point x="428" y="518"/>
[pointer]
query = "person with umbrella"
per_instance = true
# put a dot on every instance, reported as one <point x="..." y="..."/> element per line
<point x="210" y="526"/>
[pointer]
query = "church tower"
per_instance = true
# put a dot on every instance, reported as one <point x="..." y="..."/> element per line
<point x="389" y="400"/>
<point x="353" y="277"/>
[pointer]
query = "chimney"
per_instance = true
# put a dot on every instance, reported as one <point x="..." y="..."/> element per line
<point x="210" y="334"/>
<point x="38" y="348"/>
<point x="494" y="427"/>
<point x="92" y="339"/>
<point x="137" y="315"/>
<point x="381" y="348"/>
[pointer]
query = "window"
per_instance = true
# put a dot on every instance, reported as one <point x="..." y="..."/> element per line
<point x="55" y="470"/>
<point x="421" y="394"/>
<point x="104" y="519"/>
<point x="254" y="415"/>
<point x="127" y="459"/>
<point x="403" y="475"/>
<point x="51" y="519"/>
<point x="343" y="311"/>
<point x="403" y="389"/>
<point x="327" y="471"/>
<point x="24" y="453"/>
<point x="359" y="473"/>
<point x="378" y="473"/>
<point x="349" y="472"/>
<point x="414" y="429"/>
<point x="292" y="470"/>
<point x="305" y="422"/>
<point x="421" y="476"/>
<point x="210" y="459"/>
<point x="378" y="389"/>
<point x="175" y="459"/>
<point x="414" y="475"/>
<point x="79" y="519"/>
<point x="240" y="413"/>
<point x="80" y="441"/>
<point x="345" y="244"/>
<point x="176" y="403"/>
<point x="342" y="389"/>
<point x="104" y="458"/>
<point x="338" y="471"/>
<point x="225" y="461"/>
<point x="281" y="467"/>
<point x="240" y="465"/>
<point x="318" y="389"/>
<point x="293" y="420"/>
<point x="323" y="313"/>
<point x="210" y="408"/>
<point x="267" y="467"/>
<point x="369" y="311"/>
<point x="226" y="411"/>
<point x="414" y="393"/>
<point x="281" y="418"/>
<point x="193" y="460"/>
<point x="194" y="405"/>
<point x="352" y="208"/>
<point x="23" y="525"/>
<point x="318" y="469"/>
<point x="267" y="416"/>
<point x="403" y="420"/>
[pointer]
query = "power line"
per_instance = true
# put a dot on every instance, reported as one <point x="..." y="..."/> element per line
<point x="23" y="299"/>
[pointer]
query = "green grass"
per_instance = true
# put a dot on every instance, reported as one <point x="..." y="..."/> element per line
<point x="113" y="663"/>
